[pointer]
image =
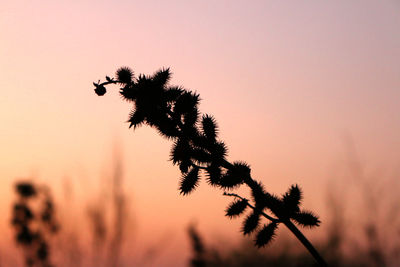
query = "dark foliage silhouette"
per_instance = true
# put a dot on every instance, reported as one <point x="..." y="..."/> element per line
<point x="34" y="224"/>
<point x="199" y="253"/>
<point x="174" y="112"/>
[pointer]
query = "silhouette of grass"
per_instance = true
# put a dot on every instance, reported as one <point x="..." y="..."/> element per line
<point x="174" y="112"/>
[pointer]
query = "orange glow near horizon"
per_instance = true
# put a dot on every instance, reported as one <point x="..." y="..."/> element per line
<point x="293" y="87"/>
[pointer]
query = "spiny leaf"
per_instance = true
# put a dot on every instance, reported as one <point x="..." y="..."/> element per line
<point x="209" y="127"/>
<point x="189" y="181"/>
<point x="250" y="223"/>
<point x="236" y="208"/>
<point x="266" y="234"/>
<point x="306" y="219"/>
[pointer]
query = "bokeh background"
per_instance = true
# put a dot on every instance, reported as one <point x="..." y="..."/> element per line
<point x="305" y="92"/>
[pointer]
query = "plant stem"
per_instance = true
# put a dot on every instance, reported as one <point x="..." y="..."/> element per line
<point x="305" y="242"/>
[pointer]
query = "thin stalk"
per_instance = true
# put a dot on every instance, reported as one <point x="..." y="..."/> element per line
<point x="305" y="242"/>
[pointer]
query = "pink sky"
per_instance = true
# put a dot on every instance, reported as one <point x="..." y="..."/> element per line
<point x="287" y="81"/>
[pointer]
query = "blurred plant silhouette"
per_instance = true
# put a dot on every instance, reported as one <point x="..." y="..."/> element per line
<point x="34" y="222"/>
<point x="174" y="112"/>
<point x="198" y="249"/>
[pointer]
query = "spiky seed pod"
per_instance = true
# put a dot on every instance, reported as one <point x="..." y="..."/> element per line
<point x="26" y="189"/>
<point x="136" y="118"/>
<point x="213" y="174"/>
<point x="291" y="200"/>
<point x="236" y="208"/>
<point x="129" y="92"/>
<point x="306" y="219"/>
<point x="100" y="89"/>
<point x="184" y="165"/>
<point x="190" y="118"/>
<point x="273" y="203"/>
<point x="251" y="223"/>
<point x="241" y="169"/>
<point x="209" y="127"/>
<point x="266" y="234"/>
<point x="180" y="151"/>
<point x="230" y="180"/>
<point x="189" y="181"/>
<point x="167" y="128"/>
<point x="168" y="131"/>
<point x="199" y="140"/>
<point x="186" y="102"/>
<point x="235" y="175"/>
<point x="218" y="151"/>
<point x="172" y="93"/>
<point x="162" y="77"/>
<point x="257" y="192"/>
<point x="200" y="155"/>
<point x="124" y="75"/>
<point x="155" y="117"/>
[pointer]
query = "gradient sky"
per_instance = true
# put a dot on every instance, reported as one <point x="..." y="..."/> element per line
<point x="290" y="83"/>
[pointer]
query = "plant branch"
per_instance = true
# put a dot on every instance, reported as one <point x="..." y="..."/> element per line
<point x="307" y="244"/>
<point x="174" y="112"/>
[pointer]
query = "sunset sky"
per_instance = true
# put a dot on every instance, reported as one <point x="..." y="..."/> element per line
<point x="297" y="88"/>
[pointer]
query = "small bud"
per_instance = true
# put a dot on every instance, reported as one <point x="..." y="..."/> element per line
<point x="100" y="90"/>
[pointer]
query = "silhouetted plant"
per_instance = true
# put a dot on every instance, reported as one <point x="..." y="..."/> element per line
<point x="198" y="258"/>
<point x="33" y="226"/>
<point x="173" y="111"/>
